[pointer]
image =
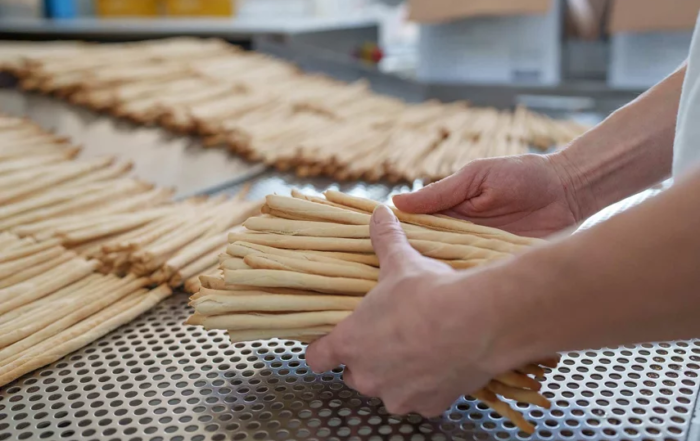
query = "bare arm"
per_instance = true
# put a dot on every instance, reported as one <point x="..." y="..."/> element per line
<point x="634" y="278"/>
<point x="628" y="152"/>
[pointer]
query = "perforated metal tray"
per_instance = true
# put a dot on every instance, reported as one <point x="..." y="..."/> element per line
<point x="158" y="380"/>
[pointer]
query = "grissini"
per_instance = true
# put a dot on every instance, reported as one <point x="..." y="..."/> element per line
<point x="262" y="302"/>
<point x="243" y="249"/>
<point x="432" y="222"/>
<point x="240" y="322"/>
<point x="435" y="250"/>
<point x="288" y="279"/>
<point x="269" y="261"/>
<point x="328" y="229"/>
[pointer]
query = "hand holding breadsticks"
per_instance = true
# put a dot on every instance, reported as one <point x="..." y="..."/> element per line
<point x="527" y="195"/>
<point x="406" y="343"/>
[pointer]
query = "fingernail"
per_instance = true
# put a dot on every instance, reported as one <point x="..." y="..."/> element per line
<point x="383" y="215"/>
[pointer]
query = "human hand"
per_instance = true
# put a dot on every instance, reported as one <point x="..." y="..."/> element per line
<point x="409" y="342"/>
<point x="526" y="195"/>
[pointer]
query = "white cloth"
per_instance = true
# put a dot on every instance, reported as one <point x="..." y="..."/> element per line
<point x="686" y="148"/>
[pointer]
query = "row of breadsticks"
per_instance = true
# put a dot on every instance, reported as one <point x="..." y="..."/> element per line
<point x="60" y="304"/>
<point x="93" y="209"/>
<point x="305" y="264"/>
<point x="85" y="249"/>
<point x="267" y="110"/>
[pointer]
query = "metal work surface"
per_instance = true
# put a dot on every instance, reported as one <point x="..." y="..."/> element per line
<point x="156" y="379"/>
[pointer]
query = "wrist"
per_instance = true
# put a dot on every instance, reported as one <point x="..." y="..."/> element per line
<point x="515" y="335"/>
<point x="576" y="185"/>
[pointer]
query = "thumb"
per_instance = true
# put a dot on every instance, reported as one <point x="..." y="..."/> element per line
<point x="438" y="196"/>
<point x="321" y="355"/>
<point x="389" y="241"/>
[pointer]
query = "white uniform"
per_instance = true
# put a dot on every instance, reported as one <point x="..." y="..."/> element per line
<point x="686" y="149"/>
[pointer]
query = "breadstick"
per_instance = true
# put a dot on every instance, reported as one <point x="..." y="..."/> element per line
<point x="429" y="249"/>
<point x="232" y="263"/>
<point x="194" y="268"/>
<point x="301" y="334"/>
<point x="521" y="395"/>
<point x="84" y="333"/>
<point x="269" y="261"/>
<point x="432" y="222"/>
<point x="27" y="251"/>
<point x="328" y="229"/>
<point x="240" y="322"/>
<point x="81" y="270"/>
<point x="262" y="302"/>
<point x="243" y="249"/>
<point x="491" y="400"/>
<point x="288" y="279"/>
<point x="13" y="266"/>
<point x="36" y="270"/>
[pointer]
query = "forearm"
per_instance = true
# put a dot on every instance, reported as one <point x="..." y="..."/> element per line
<point x="627" y="153"/>
<point x="634" y="278"/>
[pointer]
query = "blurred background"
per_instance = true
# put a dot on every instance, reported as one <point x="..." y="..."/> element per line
<point x="565" y="55"/>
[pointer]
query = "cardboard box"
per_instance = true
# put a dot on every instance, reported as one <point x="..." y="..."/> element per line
<point x="127" y="8"/>
<point x="489" y="41"/>
<point x="649" y="40"/>
<point x="199" y="8"/>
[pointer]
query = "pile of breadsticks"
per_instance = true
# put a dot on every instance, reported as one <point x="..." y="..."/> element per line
<point x="305" y="264"/>
<point x="93" y="209"/>
<point x="267" y="110"/>
<point x="52" y="303"/>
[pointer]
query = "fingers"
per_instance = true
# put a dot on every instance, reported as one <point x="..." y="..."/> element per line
<point x="321" y="355"/>
<point x="441" y="195"/>
<point x="389" y="241"/>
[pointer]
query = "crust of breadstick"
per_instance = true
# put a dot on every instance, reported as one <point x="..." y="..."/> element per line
<point x="81" y="270"/>
<point x="243" y="249"/>
<point x="240" y="322"/>
<point x="520" y="395"/>
<point x="226" y="262"/>
<point x="36" y="270"/>
<point x="85" y="333"/>
<point x="9" y="268"/>
<point x="28" y="250"/>
<point x="199" y="266"/>
<point x="263" y="302"/>
<point x="269" y="261"/>
<point x="101" y="296"/>
<point x="432" y="222"/>
<point x="300" y="334"/>
<point x="300" y="209"/>
<point x="490" y="399"/>
<point x="235" y="290"/>
<point x="197" y="249"/>
<point x="429" y="249"/>
<point x="363" y="259"/>
<point x="288" y="279"/>
<point x="517" y="380"/>
<point x="328" y="229"/>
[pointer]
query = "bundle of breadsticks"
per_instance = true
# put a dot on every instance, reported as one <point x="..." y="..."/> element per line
<point x="267" y="110"/>
<point x="52" y="303"/>
<point x="90" y="207"/>
<point x="305" y="264"/>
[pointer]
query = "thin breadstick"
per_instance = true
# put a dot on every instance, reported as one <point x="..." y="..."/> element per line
<point x="232" y="263"/>
<point x="36" y="270"/>
<point x="240" y="322"/>
<point x="13" y="266"/>
<point x="531" y="369"/>
<point x="243" y="249"/>
<point x="194" y="268"/>
<point x="288" y="279"/>
<point x="28" y="250"/>
<point x="432" y="222"/>
<point x="521" y="395"/>
<point x="269" y="261"/>
<point x="263" y="302"/>
<point x="520" y="381"/>
<point x="491" y="400"/>
<point x="429" y="249"/>
<point x="85" y="333"/>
